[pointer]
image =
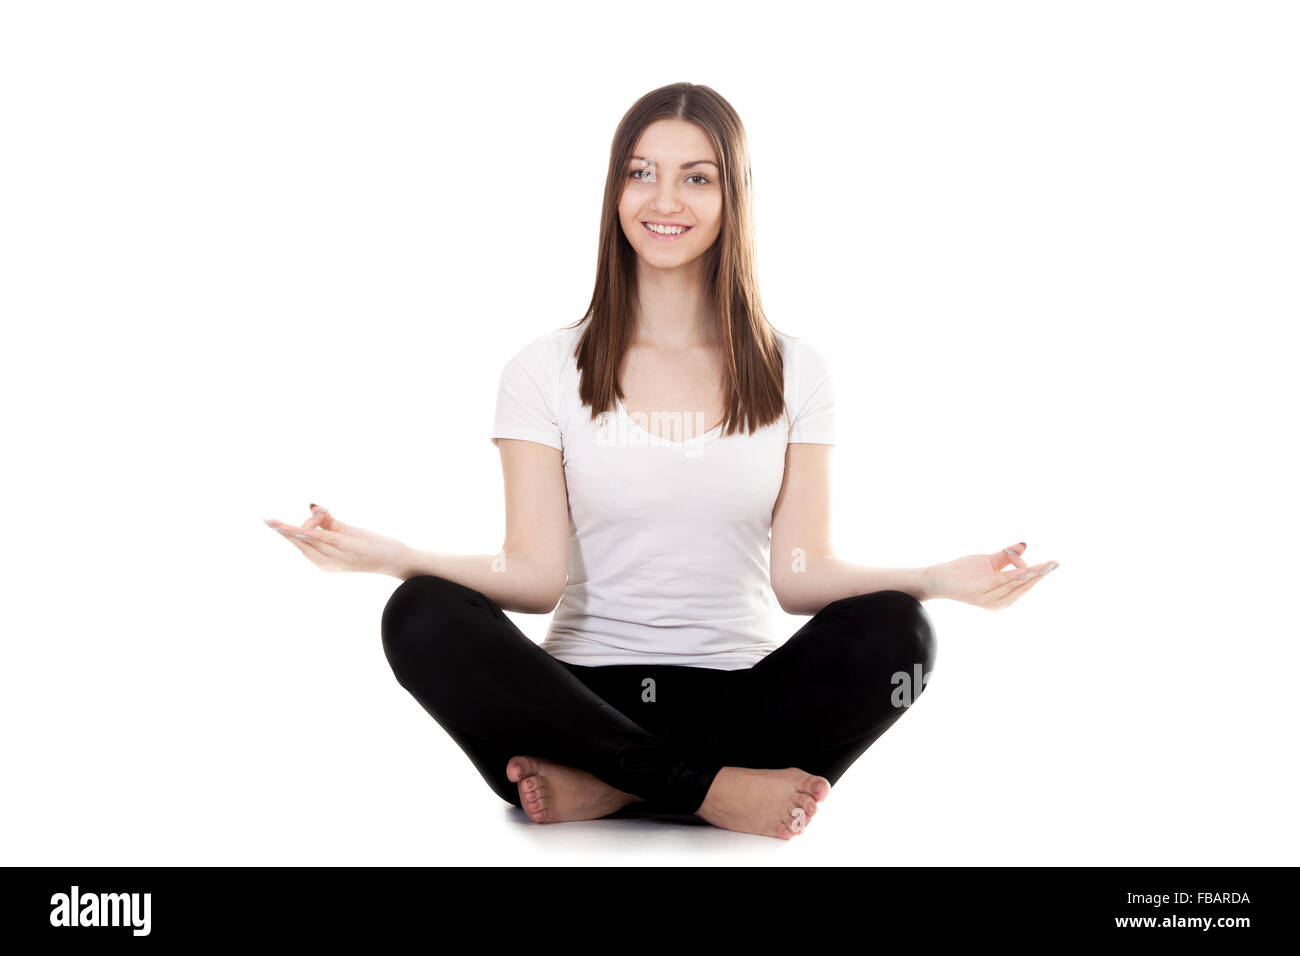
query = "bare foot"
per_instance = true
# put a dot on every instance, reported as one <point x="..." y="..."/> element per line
<point x="776" y="803"/>
<point x="554" y="793"/>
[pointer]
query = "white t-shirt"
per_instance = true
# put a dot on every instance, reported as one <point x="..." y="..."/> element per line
<point x="669" y="541"/>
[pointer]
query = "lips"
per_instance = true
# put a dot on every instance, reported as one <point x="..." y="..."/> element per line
<point x="662" y="238"/>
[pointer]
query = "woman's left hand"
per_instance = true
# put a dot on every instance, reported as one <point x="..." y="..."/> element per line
<point x="979" y="579"/>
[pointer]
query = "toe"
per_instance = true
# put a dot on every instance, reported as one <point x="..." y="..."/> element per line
<point x="816" y="787"/>
<point x="519" y="767"/>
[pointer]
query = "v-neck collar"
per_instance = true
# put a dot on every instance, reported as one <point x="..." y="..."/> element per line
<point x="701" y="439"/>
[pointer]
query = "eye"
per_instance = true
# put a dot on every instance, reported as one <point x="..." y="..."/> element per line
<point x="636" y="174"/>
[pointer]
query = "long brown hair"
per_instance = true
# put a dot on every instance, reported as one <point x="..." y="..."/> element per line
<point x="753" y="376"/>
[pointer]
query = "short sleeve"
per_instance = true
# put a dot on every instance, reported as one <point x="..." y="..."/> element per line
<point x="814" y="419"/>
<point x="528" y="396"/>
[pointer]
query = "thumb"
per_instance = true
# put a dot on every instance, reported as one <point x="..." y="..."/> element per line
<point x="321" y="518"/>
<point x="1010" y="554"/>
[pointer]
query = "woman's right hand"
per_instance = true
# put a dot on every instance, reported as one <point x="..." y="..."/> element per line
<point x="332" y="545"/>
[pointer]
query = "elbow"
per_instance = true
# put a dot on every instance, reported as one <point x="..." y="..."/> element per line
<point x="537" y="585"/>
<point x="544" y="605"/>
<point x="781" y="597"/>
<point x="790" y="601"/>
<point x="796" y="609"/>
<point x="552" y="597"/>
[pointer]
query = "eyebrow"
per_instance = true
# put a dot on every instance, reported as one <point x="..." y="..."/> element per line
<point x="694" y="162"/>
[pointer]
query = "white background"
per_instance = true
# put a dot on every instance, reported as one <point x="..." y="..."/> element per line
<point x="257" y="255"/>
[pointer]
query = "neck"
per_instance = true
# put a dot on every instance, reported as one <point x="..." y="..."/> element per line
<point x="675" y="310"/>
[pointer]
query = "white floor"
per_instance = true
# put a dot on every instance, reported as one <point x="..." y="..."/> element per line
<point x="1029" y="746"/>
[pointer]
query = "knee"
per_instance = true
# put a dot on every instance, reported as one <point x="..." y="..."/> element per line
<point x="915" y="630"/>
<point x="417" y="615"/>
<point x="897" y="623"/>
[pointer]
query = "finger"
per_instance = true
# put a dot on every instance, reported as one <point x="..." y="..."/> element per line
<point x="297" y="536"/>
<point x="315" y="538"/>
<point x="1015" y="575"/>
<point x="287" y="530"/>
<point x="1012" y="595"/>
<point x="314" y="521"/>
<point x="325" y="556"/>
<point x="1018" y="574"/>
<point x="327" y="537"/>
<point x="318" y="517"/>
<point x="1000" y="597"/>
<point x="327" y="542"/>
<point x="311" y="553"/>
<point x="1011" y="554"/>
<point x="326" y="519"/>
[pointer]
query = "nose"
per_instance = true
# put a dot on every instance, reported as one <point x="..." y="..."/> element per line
<point x="665" y="199"/>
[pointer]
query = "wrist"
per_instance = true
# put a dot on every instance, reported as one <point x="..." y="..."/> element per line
<point x="402" y="564"/>
<point x="928" y="584"/>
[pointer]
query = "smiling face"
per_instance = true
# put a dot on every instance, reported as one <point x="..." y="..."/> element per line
<point x="672" y="181"/>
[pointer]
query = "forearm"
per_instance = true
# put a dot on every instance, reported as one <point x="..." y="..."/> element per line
<point x="514" y="581"/>
<point x="818" y="580"/>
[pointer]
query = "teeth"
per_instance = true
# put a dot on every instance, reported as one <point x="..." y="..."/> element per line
<point x="666" y="230"/>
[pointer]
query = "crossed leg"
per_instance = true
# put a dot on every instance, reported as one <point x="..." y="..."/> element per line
<point x="499" y="695"/>
<point x="822" y="698"/>
<point x="781" y="733"/>
<point x="828" y="693"/>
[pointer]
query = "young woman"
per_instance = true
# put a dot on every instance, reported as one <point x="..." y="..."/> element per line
<point x="666" y="472"/>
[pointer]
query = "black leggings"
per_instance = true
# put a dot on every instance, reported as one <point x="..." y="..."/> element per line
<point x="658" y="731"/>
